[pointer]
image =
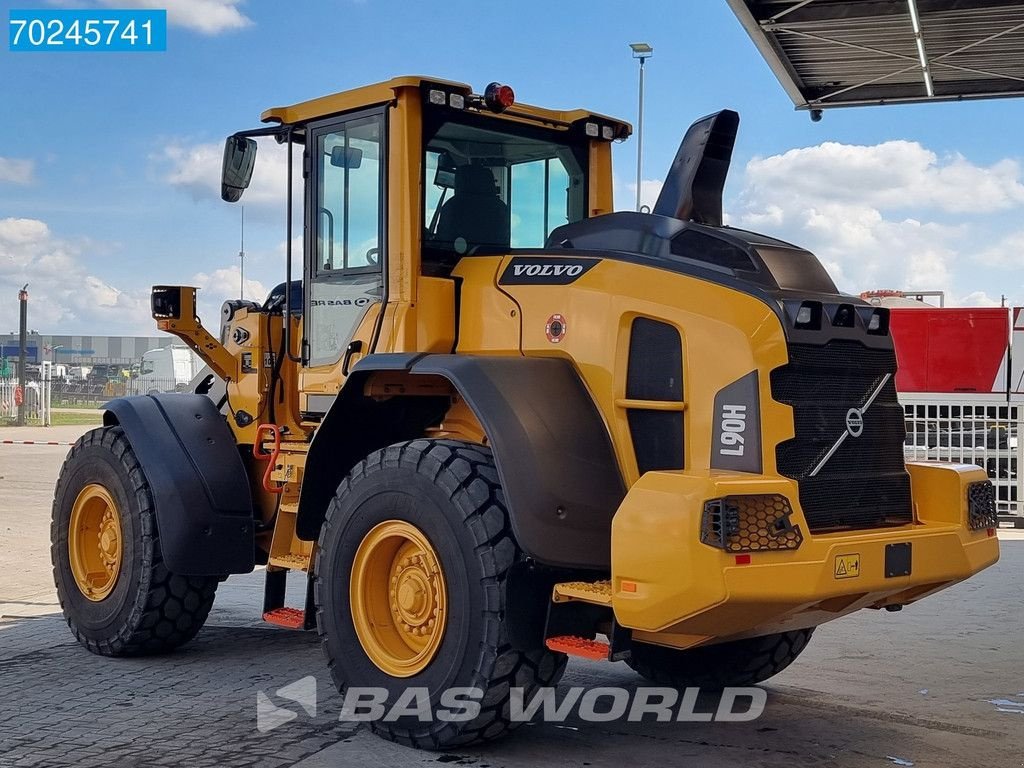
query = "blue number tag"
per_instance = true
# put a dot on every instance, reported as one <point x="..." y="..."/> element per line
<point x="87" y="30"/>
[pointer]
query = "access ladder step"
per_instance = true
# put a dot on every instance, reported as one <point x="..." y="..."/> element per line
<point x="274" y="609"/>
<point x="594" y="592"/>
<point x="290" y="618"/>
<point x="579" y="646"/>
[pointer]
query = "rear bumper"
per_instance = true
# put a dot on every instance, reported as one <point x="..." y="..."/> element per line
<point x="672" y="589"/>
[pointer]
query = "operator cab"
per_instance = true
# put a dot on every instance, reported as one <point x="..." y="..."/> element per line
<point x="494" y="176"/>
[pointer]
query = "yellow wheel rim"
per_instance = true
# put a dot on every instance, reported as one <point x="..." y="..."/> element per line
<point x="398" y="598"/>
<point x="94" y="542"/>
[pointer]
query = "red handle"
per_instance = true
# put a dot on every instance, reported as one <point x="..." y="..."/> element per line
<point x="269" y="456"/>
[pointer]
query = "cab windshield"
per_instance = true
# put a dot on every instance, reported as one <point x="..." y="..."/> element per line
<point x="494" y="186"/>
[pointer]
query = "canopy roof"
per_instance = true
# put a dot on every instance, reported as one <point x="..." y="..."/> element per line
<point x="829" y="53"/>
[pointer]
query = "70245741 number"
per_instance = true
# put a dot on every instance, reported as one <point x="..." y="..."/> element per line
<point x="93" y="30"/>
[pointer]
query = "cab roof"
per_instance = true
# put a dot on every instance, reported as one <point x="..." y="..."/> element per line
<point x="387" y="91"/>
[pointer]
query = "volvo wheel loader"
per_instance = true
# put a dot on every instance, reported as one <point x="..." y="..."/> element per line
<point x="495" y="423"/>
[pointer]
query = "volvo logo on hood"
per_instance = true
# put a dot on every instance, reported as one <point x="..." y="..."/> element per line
<point x="525" y="270"/>
<point x="854" y="425"/>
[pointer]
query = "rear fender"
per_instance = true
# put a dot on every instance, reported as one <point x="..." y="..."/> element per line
<point x="561" y="481"/>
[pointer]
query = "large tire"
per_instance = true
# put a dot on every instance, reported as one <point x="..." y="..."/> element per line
<point x="146" y="608"/>
<point x="737" y="663"/>
<point x="449" y="491"/>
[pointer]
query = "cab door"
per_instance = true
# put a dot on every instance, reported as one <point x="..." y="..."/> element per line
<point x="345" y="248"/>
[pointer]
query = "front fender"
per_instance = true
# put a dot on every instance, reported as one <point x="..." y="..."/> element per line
<point x="187" y="452"/>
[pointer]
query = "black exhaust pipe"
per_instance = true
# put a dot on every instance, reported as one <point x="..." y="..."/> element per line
<point x="693" y="189"/>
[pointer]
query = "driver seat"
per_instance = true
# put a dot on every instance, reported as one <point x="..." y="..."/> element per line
<point x="475" y="213"/>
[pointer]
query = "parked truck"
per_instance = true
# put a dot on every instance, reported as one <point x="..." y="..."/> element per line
<point x="167" y="369"/>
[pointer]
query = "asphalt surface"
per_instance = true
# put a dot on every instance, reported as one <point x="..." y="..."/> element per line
<point x="939" y="684"/>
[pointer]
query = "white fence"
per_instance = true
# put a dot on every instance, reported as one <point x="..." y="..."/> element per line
<point x="979" y="429"/>
<point x="36" y="397"/>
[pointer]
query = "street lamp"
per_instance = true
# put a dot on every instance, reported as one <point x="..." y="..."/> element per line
<point x="641" y="51"/>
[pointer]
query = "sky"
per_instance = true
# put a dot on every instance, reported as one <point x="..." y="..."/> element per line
<point x="110" y="162"/>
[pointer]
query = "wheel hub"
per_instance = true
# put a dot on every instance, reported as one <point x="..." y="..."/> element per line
<point x="95" y="546"/>
<point x="398" y="598"/>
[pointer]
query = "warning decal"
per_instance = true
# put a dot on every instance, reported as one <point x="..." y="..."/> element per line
<point x="847" y="566"/>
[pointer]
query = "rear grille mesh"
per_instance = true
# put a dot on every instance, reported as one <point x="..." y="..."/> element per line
<point x="864" y="484"/>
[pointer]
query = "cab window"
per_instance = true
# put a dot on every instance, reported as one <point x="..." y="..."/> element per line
<point x="493" y="186"/>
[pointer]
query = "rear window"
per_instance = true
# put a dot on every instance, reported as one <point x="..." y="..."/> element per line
<point x="696" y="246"/>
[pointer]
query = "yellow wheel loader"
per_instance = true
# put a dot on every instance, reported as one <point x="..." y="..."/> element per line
<point x="496" y="423"/>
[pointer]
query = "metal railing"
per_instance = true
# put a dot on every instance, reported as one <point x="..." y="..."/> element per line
<point x="35" y="398"/>
<point x="978" y="429"/>
<point x="94" y="393"/>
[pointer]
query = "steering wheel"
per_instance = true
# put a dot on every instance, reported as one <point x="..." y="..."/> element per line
<point x="373" y="256"/>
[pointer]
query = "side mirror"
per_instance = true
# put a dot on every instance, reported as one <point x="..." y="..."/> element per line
<point x="445" y="175"/>
<point x="342" y="157"/>
<point x="239" y="159"/>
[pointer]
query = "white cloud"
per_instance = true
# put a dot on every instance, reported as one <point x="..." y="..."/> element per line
<point x="978" y="299"/>
<point x="16" y="171"/>
<point x="209" y="17"/>
<point x="892" y="215"/>
<point x="64" y="296"/>
<point x="219" y="285"/>
<point x="891" y="175"/>
<point x="625" y="194"/>
<point x="1008" y="251"/>
<point x="196" y="168"/>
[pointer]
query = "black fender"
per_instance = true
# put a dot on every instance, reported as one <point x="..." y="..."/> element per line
<point x="555" y="459"/>
<point x="187" y="452"/>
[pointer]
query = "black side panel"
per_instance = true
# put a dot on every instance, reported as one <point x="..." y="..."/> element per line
<point x="693" y="189"/>
<point x="655" y="372"/>
<point x="655" y="369"/>
<point x="200" y="487"/>
<point x="555" y="459"/>
<point x="561" y="480"/>
<point x="657" y="439"/>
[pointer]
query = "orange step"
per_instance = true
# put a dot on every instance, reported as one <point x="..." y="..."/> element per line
<point x="290" y="618"/>
<point x="579" y="646"/>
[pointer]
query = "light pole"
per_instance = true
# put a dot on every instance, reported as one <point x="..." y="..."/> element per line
<point x="641" y="51"/>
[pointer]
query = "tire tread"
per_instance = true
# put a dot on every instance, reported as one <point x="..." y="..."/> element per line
<point x="466" y="472"/>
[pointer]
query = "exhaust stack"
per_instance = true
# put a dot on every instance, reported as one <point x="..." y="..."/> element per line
<point x="693" y="189"/>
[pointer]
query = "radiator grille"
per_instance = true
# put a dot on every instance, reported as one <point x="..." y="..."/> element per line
<point x="864" y="483"/>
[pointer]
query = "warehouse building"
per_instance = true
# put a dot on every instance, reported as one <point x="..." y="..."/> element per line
<point x="88" y="350"/>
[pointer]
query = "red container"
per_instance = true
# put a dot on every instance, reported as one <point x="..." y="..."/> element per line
<point x="951" y="350"/>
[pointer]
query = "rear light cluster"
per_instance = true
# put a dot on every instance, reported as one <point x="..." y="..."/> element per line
<point x="981" y="506"/>
<point x="813" y="315"/>
<point x="755" y="523"/>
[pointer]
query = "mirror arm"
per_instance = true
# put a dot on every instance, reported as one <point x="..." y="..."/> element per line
<point x="277" y="131"/>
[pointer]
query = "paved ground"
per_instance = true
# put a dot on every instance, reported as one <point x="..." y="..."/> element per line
<point x="940" y="684"/>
